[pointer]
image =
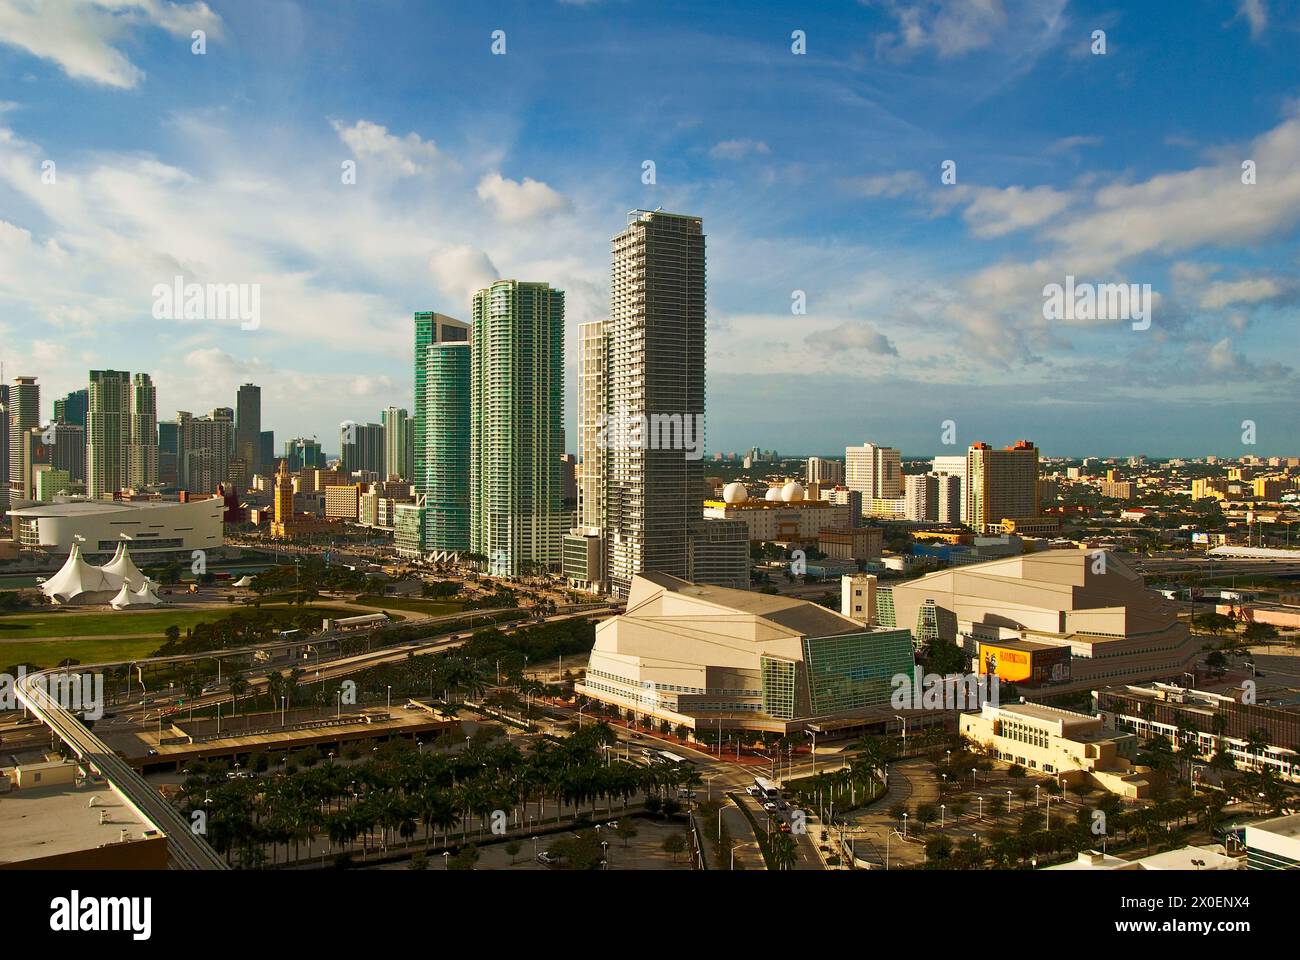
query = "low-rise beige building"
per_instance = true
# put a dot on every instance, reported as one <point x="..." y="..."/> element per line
<point x="1073" y="747"/>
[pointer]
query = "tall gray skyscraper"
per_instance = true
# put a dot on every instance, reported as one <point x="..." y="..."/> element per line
<point x="248" y="427"/>
<point x="399" y="443"/>
<point x="654" y="494"/>
<point x="143" y="456"/>
<point x="108" y="432"/>
<point x="24" y="413"/>
<point x="4" y="448"/>
<point x="204" y="446"/>
<point x="362" y="447"/>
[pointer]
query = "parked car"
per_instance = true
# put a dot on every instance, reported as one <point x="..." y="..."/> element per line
<point x="545" y="858"/>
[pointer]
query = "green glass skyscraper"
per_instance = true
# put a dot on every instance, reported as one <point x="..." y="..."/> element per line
<point x="517" y="426"/>
<point x="441" y="431"/>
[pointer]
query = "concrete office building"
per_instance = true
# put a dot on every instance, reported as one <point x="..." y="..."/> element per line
<point x="707" y="657"/>
<point x="955" y="467"/>
<point x="68" y="451"/>
<point x="655" y="370"/>
<point x="517" y="426"/>
<point x="1001" y="484"/>
<point x="825" y="471"/>
<point x="921" y="496"/>
<point x="4" y="448"/>
<point x="949" y="498"/>
<point x="24" y="414"/>
<point x="266" y="452"/>
<point x="1051" y="619"/>
<point x="205" y="444"/>
<point x="142" y="457"/>
<point x="363" y="449"/>
<point x="874" y="471"/>
<point x="584" y="544"/>
<point x="108" y="433"/>
<point x="51" y="482"/>
<point x="399" y="443"/>
<point x="248" y="427"/>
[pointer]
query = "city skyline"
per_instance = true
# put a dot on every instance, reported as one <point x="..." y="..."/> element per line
<point x="923" y="300"/>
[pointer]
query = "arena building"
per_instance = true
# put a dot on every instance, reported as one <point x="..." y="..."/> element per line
<point x="151" y="526"/>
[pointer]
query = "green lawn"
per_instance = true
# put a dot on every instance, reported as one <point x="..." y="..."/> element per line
<point x="25" y="626"/>
<point x="49" y="653"/>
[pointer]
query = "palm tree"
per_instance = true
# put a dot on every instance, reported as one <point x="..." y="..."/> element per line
<point x="783" y="851"/>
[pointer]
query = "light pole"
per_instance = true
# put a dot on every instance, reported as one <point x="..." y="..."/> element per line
<point x="903" y="721"/>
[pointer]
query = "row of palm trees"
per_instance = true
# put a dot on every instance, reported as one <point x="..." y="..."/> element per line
<point x="403" y="791"/>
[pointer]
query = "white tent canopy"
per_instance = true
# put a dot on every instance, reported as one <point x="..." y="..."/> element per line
<point x="244" y="581"/>
<point x="144" y="597"/>
<point x="123" y="567"/>
<point x="78" y="579"/>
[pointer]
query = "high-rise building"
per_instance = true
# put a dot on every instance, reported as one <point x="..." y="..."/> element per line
<point x="33" y="452"/>
<point x="205" y="445"/>
<point x="952" y="466"/>
<point x="921" y="496"/>
<point x="248" y="427"/>
<point x="399" y="443"/>
<point x="24" y="413"/>
<point x="71" y="409"/>
<point x="168" y="453"/>
<point x="516" y="426"/>
<point x="4" y="448"/>
<point x="1000" y="484"/>
<point x="302" y="453"/>
<point x="593" y="396"/>
<point x="108" y="433"/>
<point x="143" y="455"/>
<point x="950" y="488"/>
<point x="266" y="451"/>
<point x="824" y="471"/>
<point x="447" y="436"/>
<point x="655" y="370"/>
<point x="68" y="451"/>
<point x="430" y="328"/>
<point x="874" y="471"/>
<point x="362" y="446"/>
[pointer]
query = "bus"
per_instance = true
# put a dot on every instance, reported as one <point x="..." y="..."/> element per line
<point x="667" y="757"/>
<point x="767" y="788"/>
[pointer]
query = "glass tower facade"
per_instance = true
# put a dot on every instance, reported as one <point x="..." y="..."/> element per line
<point x="517" y="426"/>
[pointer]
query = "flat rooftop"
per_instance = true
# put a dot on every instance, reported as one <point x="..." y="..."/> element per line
<point x="85" y="508"/>
<point x="38" y="822"/>
<point x="1288" y="826"/>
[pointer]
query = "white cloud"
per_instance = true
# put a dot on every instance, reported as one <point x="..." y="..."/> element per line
<point x="886" y="185"/>
<point x="407" y="155"/>
<point x="1255" y="13"/>
<point x="991" y="212"/>
<point x="513" y="201"/>
<point x="738" y="149"/>
<point x="1224" y="293"/>
<point x="851" y="336"/>
<point x="463" y="269"/>
<point x="951" y="28"/>
<point x="82" y="36"/>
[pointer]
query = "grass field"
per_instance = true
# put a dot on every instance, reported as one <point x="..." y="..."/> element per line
<point x="429" y="608"/>
<point x="50" y="653"/>
<point x="25" y="626"/>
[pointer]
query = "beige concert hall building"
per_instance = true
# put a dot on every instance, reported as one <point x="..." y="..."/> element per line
<point x="1054" y="621"/>
<point x="713" y="658"/>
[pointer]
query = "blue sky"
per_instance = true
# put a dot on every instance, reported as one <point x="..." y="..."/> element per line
<point x="817" y="172"/>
